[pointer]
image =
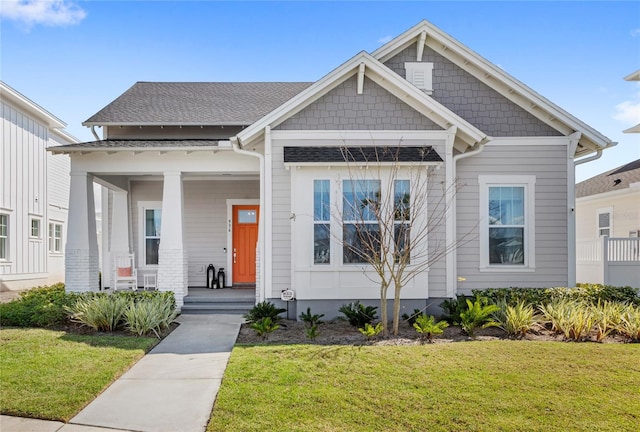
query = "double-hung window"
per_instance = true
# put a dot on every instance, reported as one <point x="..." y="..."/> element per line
<point x="402" y="220"/>
<point x="360" y="230"/>
<point x="507" y="222"/>
<point x="55" y="237"/>
<point x="34" y="232"/>
<point x="152" y="224"/>
<point x="321" y="222"/>
<point x="604" y="221"/>
<point x="4" y="236"/>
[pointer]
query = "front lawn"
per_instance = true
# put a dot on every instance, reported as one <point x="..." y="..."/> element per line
<point x="468" y="386"/>
<point x="52" y="374"/>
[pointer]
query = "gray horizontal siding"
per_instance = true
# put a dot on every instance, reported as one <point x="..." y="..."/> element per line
<point x="549" y="165"/>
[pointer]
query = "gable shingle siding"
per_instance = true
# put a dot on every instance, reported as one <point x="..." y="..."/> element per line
<point x="473" y="100"/>
<point x="343" y="109"/>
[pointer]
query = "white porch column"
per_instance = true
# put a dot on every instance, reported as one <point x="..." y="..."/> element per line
<point x="172" y="259"/>
<point x="81" y="251"/>
<point x="451" y="279"/>
<point x="119" y="235"/>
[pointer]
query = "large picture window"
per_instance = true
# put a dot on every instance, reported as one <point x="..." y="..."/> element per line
<point x="4" y="236"/>
<point x="321" y="222"/>
<point x="507" y="222"/>
<point x="361" y="233"/>
<point x="152" y="225"/>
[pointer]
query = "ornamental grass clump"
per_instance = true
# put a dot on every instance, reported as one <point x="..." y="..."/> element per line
<point x="517" y="320"/>
<point x="100" y="312"/>
<point x="607" y="318"/>
<point x="629" y="326"/>
<point x="150" y="315"/>
<point x="427" y="326"/>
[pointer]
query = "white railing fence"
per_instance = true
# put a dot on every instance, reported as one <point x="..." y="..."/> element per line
<point x="611" y="261"/>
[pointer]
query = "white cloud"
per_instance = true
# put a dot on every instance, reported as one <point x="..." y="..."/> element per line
<point x="635" y="32"/>
<point x="384" y="40"/>
<point x="628" y="112"/>
<point x="44" y="12"/>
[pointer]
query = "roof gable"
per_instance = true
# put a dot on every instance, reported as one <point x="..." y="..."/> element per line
<point x="425" y="34"/>
<point x="364" y="65"/>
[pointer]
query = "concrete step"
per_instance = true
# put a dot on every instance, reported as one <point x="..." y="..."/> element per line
<point x="216" y="307"/>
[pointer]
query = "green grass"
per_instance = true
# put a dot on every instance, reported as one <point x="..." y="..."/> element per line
<point x="52" y="374"/>
<point x="473" y="386"/>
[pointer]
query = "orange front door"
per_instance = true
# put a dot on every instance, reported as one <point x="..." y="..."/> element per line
<point x="245" y="239"/>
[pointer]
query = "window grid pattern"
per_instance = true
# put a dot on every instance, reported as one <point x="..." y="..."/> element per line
<point x="55" y="237"/>
<point x="4" y="236"/>
<point x="321" y="222"/>
<point x="361" y="233"/>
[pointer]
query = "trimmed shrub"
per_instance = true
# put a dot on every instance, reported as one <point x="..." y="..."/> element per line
<point x="264" y="326"/>
<point x="427" y="326"/>
<point x="477" y="315"/>
<point x="357" y="314"/>
<point x="38" y="307"/>
<point x="262" y="310"/>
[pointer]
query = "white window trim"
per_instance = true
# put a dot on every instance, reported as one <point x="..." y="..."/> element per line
<point x="305" y="213"/>
<point x="7" y="258"/>
<point x="600" y="211"/>
<point x="56" y="222"/>
<point x="31" y="236"/>
<point x="528" y="182"/>
<point x="142" y="244"/>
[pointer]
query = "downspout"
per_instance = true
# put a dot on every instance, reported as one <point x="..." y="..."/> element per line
<point x="574" y="139"/>
<point x="95" y="134"/>
<point x="236" y="145"/>
<point x="452" y="274"/>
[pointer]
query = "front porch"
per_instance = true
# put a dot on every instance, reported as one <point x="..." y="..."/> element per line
<point x="177" y="224"/>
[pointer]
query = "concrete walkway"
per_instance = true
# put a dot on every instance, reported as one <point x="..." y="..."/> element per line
<point x="172" y="388"/>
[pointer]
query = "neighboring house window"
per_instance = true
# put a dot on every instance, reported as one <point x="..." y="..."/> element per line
<point x="152" y="222"/>
<point x="4" y="236"/>
<point x="604" y="222"/>
<point x="35" y="228"/>
<point x="402" y="218"/>
<point x="360" y="201"/>
<point x="55" y="237"/>
<point x="321" y="222"/>
<point x="507" y="222"/>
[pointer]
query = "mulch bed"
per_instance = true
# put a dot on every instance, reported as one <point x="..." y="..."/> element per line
<point x="340" y="332"/>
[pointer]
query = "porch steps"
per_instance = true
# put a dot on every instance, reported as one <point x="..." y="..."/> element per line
<point x="206" y="305"/>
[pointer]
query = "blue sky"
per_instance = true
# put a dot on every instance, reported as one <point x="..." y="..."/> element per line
<point x="73" y="58"/>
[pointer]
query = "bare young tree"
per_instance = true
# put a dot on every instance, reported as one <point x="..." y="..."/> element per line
<point x="393" y="214"/>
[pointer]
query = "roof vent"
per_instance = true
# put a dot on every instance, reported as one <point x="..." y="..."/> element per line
<point x="420" y="74"/>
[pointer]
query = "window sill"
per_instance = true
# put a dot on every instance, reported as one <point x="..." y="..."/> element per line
<point x="507" y="269"/>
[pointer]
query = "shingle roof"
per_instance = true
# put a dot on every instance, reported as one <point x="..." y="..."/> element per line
<point x="135" y="144"/>
<point x="361" y="154"/>
<point x="198" y="103"/>
<point x="615" y="179"/>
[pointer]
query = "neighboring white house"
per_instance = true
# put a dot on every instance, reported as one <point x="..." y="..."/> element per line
<point x="608" y="227"/>
<point x="199" y="173"/>
<point x="34" y="193"/>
